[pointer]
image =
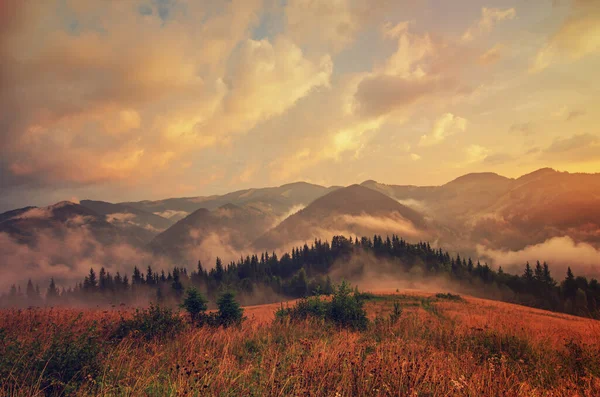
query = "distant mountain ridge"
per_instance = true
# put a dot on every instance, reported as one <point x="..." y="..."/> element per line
<point x="472" y="211"/>
<point x="277" y="200"/>
<point x="28" y="224"/>
<point x="229" y="227"/>
<point x="136" y="221"/>
<point x="351" y="210"/>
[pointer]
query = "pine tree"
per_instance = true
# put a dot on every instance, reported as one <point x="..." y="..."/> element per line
<point x="149" y="276"/>
<point x="230" y="311"/>
<point x="176" y="284"/>
<point x="547" y="277"/>
<point x="102" y="280"/>
<point x="52" y="293"/>
<point x="219" y="270"/>
<point x="528" y="274"/>
<point x="194" y="303"/>
<point x="137" y="278"/>
<point x="569" y="285"/>
<point x="30" y="292"/>
<point x="90" y="283"/>
<point x="539" y="272"/>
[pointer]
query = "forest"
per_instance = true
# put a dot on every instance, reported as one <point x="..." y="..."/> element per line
<point x="305" y="271"/>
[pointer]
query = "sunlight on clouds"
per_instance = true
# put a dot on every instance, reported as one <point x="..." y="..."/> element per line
<point x="489" y="18"/>
<point x="331" y="22"/>
<point x="577" y="37"/>
<point x="97" y="95"/>
<point x="445" y="126"/>
<point x="476" y="153"/>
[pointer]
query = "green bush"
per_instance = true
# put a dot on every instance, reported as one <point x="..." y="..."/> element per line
<point x="395" y="315"/>
<point x="345" y="309"/>
<point x="194" y="303"/>
<point x="154" y="322"/>
<point x="449" y="296"/>
<point x="230" y="312"/>
<point x="494" y="344"/>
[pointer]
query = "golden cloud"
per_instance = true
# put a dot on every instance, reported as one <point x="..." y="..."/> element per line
<point x="577" y="37"/>
<point x="489" y="18"/>
<point x="117" y="89"/>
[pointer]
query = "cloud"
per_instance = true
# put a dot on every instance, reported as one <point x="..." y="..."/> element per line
<point x="576" y="148"/>
<point x="476" y="153"/>
<point x="349" y="137"/>
<point x="574" y="114"/>
<point x="172" y="214"/>
<point x="330" y="25"/>
<point x="67" y="257"/>
<point x="447" y="125"/>
<point x="266" y="79"/>
<point x="382" y="94"/>
<point x="522" y="128"/>
<point x="394" y="223"/>
<point x="577" y="37"/>
<point x="422" y="67"/>
<point x="124" y="219"/>
<point x="559" y="252"/>
<point x="492" y="55"/>
<point x="489" y="18"/>
<point x="415" y="156"/>
<point x="331" y="22"/>
<point x="577" y="141"/>
<point x="131" y="88"/>
<point x="498" y="158"/>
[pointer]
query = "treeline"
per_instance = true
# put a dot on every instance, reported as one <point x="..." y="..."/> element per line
<point x="304" y="271"/>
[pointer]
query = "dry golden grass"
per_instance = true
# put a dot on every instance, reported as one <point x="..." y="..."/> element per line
<point x="439" y="347"/>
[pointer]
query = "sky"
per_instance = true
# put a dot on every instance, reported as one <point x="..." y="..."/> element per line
<point x="133" y="100"/>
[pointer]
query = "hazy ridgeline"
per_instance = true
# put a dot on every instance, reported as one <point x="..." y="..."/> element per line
<point x="369" y="262"/>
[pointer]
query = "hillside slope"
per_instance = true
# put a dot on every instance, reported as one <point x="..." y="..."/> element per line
<point x="205" y="234"/>
<point x="354" y="210"/>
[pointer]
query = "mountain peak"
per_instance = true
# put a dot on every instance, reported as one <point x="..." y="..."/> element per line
<point x="478" y="177"/>
<point x="61" y="204"/>
<point x="369" y="182"/>
<point x="229" y="206"/>
<point x="539" y="173"/>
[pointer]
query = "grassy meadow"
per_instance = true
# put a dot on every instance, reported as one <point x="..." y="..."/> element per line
<point x="440" y="345"/>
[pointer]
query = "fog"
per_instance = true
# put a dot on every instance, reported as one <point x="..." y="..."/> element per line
<point x="377" y="275"/>
<point x="67" y="258"/>
<point x="559" y="252"/>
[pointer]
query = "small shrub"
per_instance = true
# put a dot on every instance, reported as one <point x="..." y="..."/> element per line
<point x="154" y="322"/>
<point x="395" y="315"/>
<point x="345" y="309"/>
<point x="365" y="296"/>
<point x="450" y="297"/>
<point x="304" y="308"/>
<point x="194" y="303"/>
<point x="493" y="344"/>
<point x="230" y="311"/>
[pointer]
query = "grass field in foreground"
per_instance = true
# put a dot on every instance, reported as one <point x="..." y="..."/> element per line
<point x="464" y="347"/>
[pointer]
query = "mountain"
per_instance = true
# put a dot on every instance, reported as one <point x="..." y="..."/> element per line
<point x="144" y="224"/>
<point x="457" y="198"/>
<point x="205" y="234"/>
<point x="540" y="206"/>
<point x="273" y="200"/>
<point x="502" y="213"/>
<point x="354" y="210"/>
<point x="31" y="225"/>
